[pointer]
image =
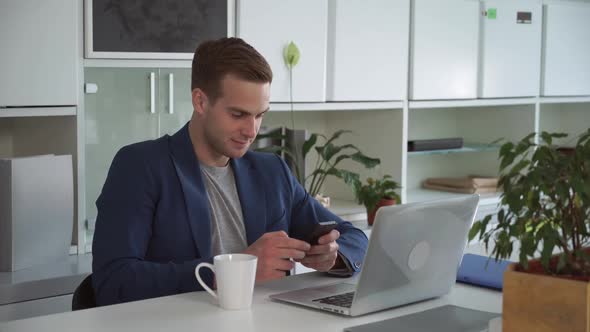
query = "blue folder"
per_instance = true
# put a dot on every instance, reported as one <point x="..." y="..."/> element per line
<point x="473" y="270"/>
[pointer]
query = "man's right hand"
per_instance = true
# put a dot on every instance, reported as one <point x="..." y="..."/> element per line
<point x="274" y="251"/>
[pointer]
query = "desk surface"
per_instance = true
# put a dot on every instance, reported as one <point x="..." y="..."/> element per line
<point x="197" y="311"/>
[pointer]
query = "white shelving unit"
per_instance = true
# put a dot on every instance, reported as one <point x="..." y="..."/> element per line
<point x="18" y="112"/>
<point x="337" y="106"/>
<point x="448" y="105"/>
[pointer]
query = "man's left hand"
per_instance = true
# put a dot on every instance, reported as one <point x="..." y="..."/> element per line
<point x="324" y="255"/>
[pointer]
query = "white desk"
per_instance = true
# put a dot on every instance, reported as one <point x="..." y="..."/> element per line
<point x="197" y="312"/>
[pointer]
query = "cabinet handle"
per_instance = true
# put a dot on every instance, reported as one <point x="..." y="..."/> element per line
<point x="153" y="93"/>
<point x="170" y="93"/>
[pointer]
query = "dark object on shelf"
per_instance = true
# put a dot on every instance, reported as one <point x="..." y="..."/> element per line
<point x="566" y="150"/>
<point x="435" y="144"/>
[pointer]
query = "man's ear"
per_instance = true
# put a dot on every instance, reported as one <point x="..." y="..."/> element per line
<point x="200" y="101"/>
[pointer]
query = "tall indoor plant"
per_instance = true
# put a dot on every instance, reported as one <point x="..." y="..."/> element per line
<point x="545" y="210"/>
<point x="329" y="153"/>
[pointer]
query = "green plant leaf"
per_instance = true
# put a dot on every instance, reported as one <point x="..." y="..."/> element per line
<point x="337" y="134"/>
<point x="291" y="55"/>
<point x="350" y="178"/>
<point x="475" y="228"/>
<point x="330" y="150"/>
<point x="309" y="143"/>
<point x="368" y="162"/>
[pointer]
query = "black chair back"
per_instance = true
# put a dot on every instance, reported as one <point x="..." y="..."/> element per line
<point x="84" y="295"/>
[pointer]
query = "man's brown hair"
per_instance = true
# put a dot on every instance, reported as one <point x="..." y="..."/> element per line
<point x="214" y="59"/>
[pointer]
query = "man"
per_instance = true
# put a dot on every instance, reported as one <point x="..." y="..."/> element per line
<point x="174" y="202"/>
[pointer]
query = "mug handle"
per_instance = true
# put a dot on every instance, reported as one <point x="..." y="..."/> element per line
<point x="203" y="284"/>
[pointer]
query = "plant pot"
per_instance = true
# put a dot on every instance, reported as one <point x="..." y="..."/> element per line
<point x="537" y="302"/>
<point x="383" y="202"/>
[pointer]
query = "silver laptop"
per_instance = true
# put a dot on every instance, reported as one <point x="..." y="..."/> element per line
<point x="414" y="253"/>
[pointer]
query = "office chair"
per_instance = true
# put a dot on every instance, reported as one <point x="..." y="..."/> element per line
<point x="84" y="295"/>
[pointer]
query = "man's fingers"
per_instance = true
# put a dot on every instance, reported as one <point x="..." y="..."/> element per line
<point x="290" y="253"/>
<point x="290" y="243"/>
<point x="330" y="237"/>
<point x="284" y="265"/>
<point x="277" y="234"/>
<point x="322" y="249"/>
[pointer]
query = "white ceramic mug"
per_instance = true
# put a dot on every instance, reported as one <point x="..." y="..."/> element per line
<point x="235" y="275"/>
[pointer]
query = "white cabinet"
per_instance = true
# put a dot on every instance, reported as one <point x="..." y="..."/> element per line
<point x="566" y="49"/>
<point x="131" y="105"/>
<point x="510" y="48"/>
<point x="444" y="49"/>
<point x="367" y="49"/>
<point x="39" y="46"/>
<point x="269" y="25"/>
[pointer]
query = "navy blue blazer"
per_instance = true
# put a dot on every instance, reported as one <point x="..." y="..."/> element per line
<point x="153" y="225"/>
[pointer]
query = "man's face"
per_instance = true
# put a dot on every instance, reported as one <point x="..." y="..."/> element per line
<point x="231" y="124"/>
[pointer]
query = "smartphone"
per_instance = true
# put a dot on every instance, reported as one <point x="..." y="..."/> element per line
<point x="321" y="229"/>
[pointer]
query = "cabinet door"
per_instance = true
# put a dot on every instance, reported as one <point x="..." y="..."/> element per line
<point x="175" y="104"/>
<point x="367" y="49"/>
<point x="567" y="50"/>
<point x="444" y="49"/>
<point x="510" y="49"/>
<point x="269" y="25"/>
<point x="39" y="46"/>
<point x="119" y="114"/>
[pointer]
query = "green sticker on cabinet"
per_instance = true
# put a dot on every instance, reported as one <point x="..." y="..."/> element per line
<point x="492" y="13"/>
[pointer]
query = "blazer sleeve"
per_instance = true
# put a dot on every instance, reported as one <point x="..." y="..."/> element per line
<point x="306" y="211"/>
<point x="126" y="208"/>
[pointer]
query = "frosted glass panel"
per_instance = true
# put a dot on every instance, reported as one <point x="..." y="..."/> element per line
<point x="182" y="105"/>
<point x="117" y="115"/>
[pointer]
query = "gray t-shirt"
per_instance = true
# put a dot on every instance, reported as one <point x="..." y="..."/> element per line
<point x="228" y="234"/>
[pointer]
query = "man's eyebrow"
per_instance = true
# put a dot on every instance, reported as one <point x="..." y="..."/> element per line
<point x="241" y="110"/>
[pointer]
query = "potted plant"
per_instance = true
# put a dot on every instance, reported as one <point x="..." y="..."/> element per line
<point x="376" y="193"/>
<point x="546" y="213"/>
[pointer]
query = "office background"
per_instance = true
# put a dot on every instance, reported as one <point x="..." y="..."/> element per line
<point x="390" y="71"/>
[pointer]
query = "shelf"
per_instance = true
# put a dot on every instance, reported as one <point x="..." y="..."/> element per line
<point x="134" y="63"/>
<point x="423" y="195"/>
<point x="416" y="104"/>
<point x="44" y="280"/>
<point x="348" y="210"/>
<point x="338" y="106"/>
<point x="17" y="112"/>
<point x="565" y="100"/>
<point x="467" y="148"/>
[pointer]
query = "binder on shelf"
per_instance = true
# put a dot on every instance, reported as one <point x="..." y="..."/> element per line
<point x="435" y="144"/>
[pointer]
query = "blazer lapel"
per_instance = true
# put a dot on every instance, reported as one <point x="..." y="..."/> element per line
<point x="195" y="194"/>
<point x="252" y="198"/>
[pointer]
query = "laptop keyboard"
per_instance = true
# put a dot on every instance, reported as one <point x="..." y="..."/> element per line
<point x="340" y="300"/>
